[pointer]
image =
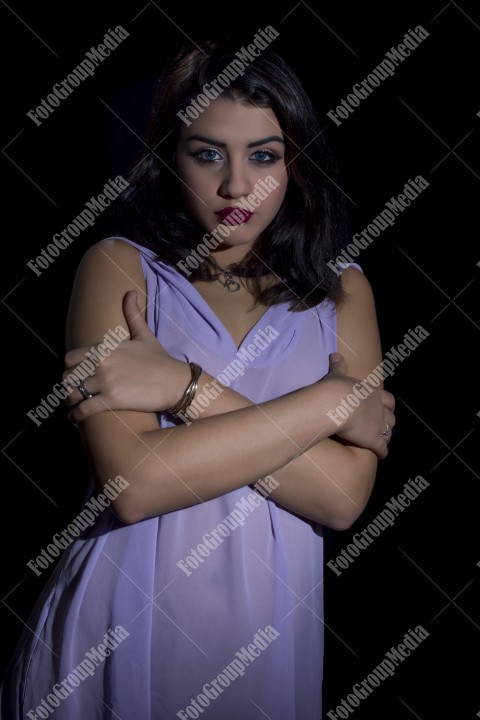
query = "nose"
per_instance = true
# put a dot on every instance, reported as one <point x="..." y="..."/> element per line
<point x="236" y="182"/>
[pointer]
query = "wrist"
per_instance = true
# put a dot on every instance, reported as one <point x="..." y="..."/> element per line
<point x="179" y="376"/>
<point x="334" y="391"/>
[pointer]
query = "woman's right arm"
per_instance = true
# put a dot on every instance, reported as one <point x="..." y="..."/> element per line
<point x="171" y="468"/>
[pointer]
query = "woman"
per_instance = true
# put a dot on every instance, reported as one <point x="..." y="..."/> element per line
<point x="199" y="591"/>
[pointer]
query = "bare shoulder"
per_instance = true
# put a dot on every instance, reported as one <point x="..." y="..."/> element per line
<point x="112" y="263"/>
<point x="355" y="285"/>
<point x="107" y="271"/>
<point x="357" y="328"/>
<point x="113" y="251"/>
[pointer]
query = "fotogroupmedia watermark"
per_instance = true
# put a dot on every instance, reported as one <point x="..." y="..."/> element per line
<point x="381" y="72"/>
<point x="215" y="237"/>
<point x="60" y="241"/>
<point x="381" y="672"/>
<point x="381" y="222"/>
<point x="385" y="519"/>
<point x="87" y="517"/>
<point x="85" y="368"/>
<point x="85" y="69"/>
<point x="212" y="90"/>
<point x="235" y="669"/>
<point x="235" y="369"/>
<point x="235" y="519"/>
<point x="86" y="668"/>
<point x="386" y="368"/>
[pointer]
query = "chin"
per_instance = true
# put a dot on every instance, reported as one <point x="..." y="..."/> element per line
<point x="230" y="234"/>
<point x="236" y="239"/>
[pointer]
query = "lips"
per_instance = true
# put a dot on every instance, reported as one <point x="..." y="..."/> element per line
<point x="234" y="215"/>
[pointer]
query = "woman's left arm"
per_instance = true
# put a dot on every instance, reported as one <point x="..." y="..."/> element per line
<point x="332" y="482"/>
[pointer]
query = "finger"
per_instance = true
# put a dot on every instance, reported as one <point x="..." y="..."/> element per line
<point x="70" y="378"/>
<point x="87" y="408"/>
<point x="134" y="316"/>
<point x="70" y="385"/>
<point x="75" y="396"/>
<point x="381" y="448"/>
<point x="389" y="418"/>
<point x="75" y="356"/>
<point x="388" y="400"/>
<point x="337" y="363"/>
<point x="382" y="451"/>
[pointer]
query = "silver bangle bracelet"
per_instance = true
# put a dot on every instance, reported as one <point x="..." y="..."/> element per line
<point x="189" y="394"/>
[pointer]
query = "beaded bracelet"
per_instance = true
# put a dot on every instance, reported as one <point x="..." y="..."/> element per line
<point x="189" y="394"/>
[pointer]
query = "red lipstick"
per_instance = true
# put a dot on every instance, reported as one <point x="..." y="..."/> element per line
<point x="234" y="215"/>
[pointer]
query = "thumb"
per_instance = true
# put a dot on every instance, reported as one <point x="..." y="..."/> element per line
<point x="134" y="316"/>
<point x="337" y="362"/>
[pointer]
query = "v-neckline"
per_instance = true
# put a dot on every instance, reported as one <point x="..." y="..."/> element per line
<point x="222" y="325"/>
<point x="171" y="268"/>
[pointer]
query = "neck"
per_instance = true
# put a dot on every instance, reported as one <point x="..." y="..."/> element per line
<point x="230" y="255"/>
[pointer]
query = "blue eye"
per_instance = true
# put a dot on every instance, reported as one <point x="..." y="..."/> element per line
<point x="265" y="157"/>
<point x="208" y="155"/>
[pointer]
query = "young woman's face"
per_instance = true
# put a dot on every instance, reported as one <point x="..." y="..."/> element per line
<point x="225" y="156"/>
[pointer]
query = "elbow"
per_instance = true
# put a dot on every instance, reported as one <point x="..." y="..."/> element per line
<point x="337" y="518"/>
<point x="127" y="514"/>
<point x="348" y="511"/>
<point x="126" y="506"/>
<point x="120" y="494"/>
<point x="343" y="522"/>
<point x="357" y="492"/>
<point x="140" y="500"/>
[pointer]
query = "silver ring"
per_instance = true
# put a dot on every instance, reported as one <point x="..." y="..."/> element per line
<point x="86" y="395"/>
<point x="385" y="432"/>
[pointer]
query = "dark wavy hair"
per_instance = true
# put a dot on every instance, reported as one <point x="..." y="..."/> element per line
<point x="310" y="227"/>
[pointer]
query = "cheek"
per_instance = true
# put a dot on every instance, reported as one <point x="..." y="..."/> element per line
<point x="190" y="186"/>
<point x="280" y="177"/>
<point x="188" y="172"/>
<point x="278" y="194"/>
<point x="196" y="184"/>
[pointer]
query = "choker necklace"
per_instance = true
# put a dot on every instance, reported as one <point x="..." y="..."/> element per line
<point x="228" y="282"/>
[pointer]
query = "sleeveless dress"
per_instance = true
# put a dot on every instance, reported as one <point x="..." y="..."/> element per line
<point x="213" y="611"/>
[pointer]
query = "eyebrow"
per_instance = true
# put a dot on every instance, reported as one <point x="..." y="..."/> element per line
<point x="256" y="143"/>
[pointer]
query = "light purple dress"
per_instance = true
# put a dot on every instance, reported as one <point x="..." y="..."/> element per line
<point x="223" y="601"/>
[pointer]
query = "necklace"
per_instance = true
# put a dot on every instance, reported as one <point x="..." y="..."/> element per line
<point x="228" y="282"/>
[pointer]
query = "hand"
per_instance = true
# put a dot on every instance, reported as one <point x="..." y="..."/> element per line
<point x="365" y="421"/>
<point x="137" y="375"/>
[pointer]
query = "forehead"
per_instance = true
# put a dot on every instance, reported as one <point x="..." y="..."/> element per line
<point x="232" y="122"/>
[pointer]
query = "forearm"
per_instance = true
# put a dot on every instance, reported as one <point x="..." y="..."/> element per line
<point x="330" y="483"/>
<point x="171" y="468"/>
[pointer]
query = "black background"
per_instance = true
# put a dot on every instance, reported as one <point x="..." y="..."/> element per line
<point x="424" y="120"/>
